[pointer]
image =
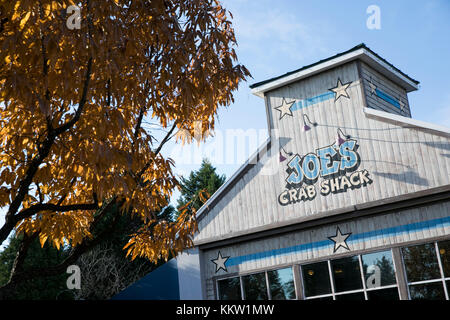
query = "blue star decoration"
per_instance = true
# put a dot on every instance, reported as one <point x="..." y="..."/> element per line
<point x="220" y="262"/>
<point x="340" y="90"/>
<point x="340" y="240"/>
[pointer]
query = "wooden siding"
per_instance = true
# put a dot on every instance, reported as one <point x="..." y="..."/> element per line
<point x="371" y="233"/>
<point x="399" y="160"/>
<point x="388" y="87"/>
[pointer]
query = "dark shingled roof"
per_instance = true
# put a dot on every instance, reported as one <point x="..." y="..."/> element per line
<point x="359" y="46"/>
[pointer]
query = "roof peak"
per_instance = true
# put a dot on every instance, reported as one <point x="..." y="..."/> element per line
<point x="360" y="51"/>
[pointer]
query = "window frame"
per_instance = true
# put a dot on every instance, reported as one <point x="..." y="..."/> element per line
<point x="442" y="277"/>
<point x="401" y="278"/>
<point x="269" y="294"/>
<point x="364" y="289"/>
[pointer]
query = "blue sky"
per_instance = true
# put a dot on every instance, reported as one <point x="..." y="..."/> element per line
<point x="275" y="37"/>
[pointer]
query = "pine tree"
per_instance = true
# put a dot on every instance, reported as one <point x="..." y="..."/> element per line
<point x="204" y="178"/>
<point x="49" y="288"/>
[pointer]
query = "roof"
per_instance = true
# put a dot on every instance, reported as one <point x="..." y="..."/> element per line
<point x="360" y="51"/>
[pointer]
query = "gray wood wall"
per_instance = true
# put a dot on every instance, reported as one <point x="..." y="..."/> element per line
<point x="370" y="233"/>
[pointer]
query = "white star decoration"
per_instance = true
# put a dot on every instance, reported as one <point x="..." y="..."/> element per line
<point x="285" y="108"/>
<point x="220" y="262"/>
<point x="372" y="87"/>
<point x="340" y="240"/>
<point x="341" y="89"/>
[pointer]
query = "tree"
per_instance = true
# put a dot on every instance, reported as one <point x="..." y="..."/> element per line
<point x="73" y="107"/>
<point x="105" y="270"/>
<point x="204" y="179"/>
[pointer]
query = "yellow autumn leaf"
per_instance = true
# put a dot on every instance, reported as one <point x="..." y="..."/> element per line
<point x="24" y="20"/>
<point x="42" y="239"/>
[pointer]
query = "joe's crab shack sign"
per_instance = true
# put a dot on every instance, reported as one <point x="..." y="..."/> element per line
<point x="331" y="169"/>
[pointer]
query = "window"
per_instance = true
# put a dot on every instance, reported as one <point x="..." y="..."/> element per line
<point x="378" y="269"/>
<point x="255" y="287"/>
<point x="316" y="279"/>
<point x="421" y="262"/>
<point x="444" y="253"/>
<point x="427" y="270"/>
<point x="229" y="289"/>
<point x="363" y="277"/>
<point x="359" y="296"/>
<point x="346" y="274"/>
<point x="370" y="276"/>
<point x="427" y="291"/>
<point x="383" y="294"/>
<point x="281" y="284"/>
<point x="273" y="284"/>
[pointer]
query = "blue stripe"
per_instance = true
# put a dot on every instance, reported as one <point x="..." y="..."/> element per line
<point x="387" y="98"/>
<point x="300" y="104"/>
<point x="354" y="238"/>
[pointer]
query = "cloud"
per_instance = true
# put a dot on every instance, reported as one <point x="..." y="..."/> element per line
<point x="279" y="33"/>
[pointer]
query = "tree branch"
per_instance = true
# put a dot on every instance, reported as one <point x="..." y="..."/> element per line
<point x="166" y="138"/>
<point x="29" y="212"/>
<point x="157" y="150"/>
<point x="22" y="253"/>
<point x="82" y="103"/>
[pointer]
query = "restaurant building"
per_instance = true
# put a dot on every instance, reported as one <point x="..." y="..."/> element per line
<point x="349" y="198"/>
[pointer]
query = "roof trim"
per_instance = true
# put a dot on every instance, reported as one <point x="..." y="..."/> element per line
<point x="252" y="160"/>
<point x="407" y="122"/>
<point x="361" y="51"/>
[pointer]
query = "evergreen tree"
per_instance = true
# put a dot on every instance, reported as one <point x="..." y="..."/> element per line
<point x="205" y="178"/>
<point x="387" y="271"/>
<point x="49" y="288"/>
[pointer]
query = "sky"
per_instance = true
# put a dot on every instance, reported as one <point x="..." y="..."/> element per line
<point x="275" y="37"/>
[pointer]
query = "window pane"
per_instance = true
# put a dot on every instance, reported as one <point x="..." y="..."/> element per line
<point x="255" y="286"/>
<point x="229" y="289"/>
<point x="281" y="284"/>
<point x="383" y="294"/>
<point x="378" y="269"/>
<point x="346" y="274"/>
<point x="316" y="279"/>
<point x="428" y="291"/>
<point x="421" y="262"/>
<point x="351" y="297"/>
<point x="444" y="252"/>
